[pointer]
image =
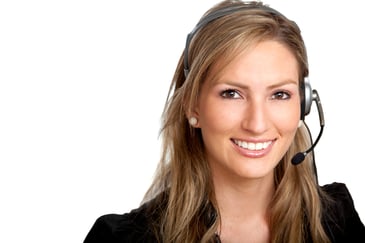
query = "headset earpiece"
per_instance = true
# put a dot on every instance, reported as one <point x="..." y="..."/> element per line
<point x="306" y="98"/>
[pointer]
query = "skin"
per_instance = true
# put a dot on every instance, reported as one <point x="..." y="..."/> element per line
<point x="254" y="99"/>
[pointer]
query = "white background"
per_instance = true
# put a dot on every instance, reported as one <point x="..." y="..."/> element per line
<point x="82" y="87"/>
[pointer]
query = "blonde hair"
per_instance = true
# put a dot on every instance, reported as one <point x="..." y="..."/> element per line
<point x="183" y="174"/>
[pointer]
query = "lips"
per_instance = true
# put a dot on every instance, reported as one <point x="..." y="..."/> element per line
<point x="251" y="145"/>
<point x="251" y="149"/>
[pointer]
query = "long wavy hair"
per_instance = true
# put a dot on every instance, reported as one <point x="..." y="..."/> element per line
<point x="183" y="175"/>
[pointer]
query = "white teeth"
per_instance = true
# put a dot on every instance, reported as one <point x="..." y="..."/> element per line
<point x="252" y="146"/>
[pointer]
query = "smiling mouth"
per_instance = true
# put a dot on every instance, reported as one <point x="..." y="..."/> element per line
<point x="252" y="146"/>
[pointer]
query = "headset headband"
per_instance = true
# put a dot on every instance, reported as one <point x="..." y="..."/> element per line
<point x="216" y="15"/>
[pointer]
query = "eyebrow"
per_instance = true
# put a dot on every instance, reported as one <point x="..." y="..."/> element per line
<point x="285" y="82"/>
<point x="273" y="86"/>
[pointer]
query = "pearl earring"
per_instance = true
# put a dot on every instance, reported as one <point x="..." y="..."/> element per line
<point x="300" y="123"/>
<point x="193" y="121"/>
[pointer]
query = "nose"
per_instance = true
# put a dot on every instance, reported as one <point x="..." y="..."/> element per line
<point x="255" y="117"/>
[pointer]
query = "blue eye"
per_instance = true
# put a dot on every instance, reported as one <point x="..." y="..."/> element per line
<point x="281" y="95"/>
<point x="230" y="94"/>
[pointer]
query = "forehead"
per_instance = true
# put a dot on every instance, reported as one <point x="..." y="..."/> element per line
<point x="267" y="60"/>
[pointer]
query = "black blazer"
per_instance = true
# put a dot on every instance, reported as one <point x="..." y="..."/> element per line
<point x="341" y="222"/>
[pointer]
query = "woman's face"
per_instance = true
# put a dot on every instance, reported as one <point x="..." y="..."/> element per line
<point x="249" y="111"/>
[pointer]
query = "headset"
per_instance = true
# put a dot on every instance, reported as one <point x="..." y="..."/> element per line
<point x="307" y="94"/>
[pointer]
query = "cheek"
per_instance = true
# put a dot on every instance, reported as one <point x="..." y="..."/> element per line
<point x="218" y="116"/>
<point x="287" y="120"/>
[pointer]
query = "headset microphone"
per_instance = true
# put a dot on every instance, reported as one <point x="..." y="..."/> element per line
<point x="299" y="157"/>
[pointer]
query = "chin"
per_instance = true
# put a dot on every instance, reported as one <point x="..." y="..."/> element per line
<point x="255" y="172"/>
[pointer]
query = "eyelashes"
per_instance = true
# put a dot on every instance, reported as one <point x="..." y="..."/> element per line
<point x="281" y="95"/>
<point x="230" y="94"/>
<point x="236" y="94"/>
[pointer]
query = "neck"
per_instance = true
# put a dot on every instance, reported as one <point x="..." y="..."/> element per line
<point x="243" y="207"/>
<point x="244" y="199"/>
<point x="238" y="194"/>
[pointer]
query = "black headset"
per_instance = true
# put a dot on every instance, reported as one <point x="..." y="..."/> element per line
<point x="307" y="94"/>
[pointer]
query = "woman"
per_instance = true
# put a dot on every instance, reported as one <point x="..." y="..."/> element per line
<point x="231" y="126"/>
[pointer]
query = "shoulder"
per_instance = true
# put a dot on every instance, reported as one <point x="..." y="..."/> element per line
<point x="337" y="190"/>
<point x="133" y="226"/>
<point x="340" y="217"/>
<point x="339" y="199"/>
